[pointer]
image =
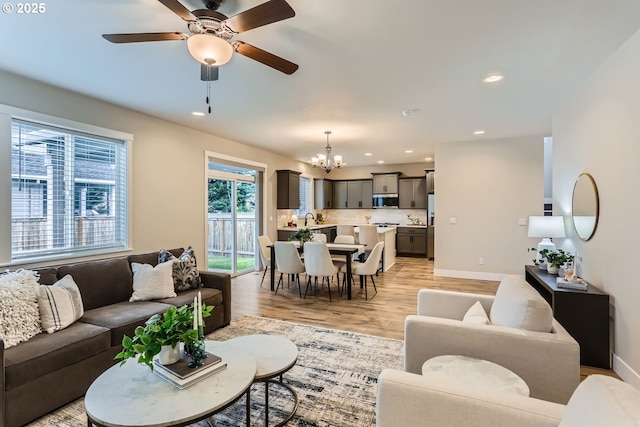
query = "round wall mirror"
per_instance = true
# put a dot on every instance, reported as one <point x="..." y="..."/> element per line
<point x="585" y="206"/>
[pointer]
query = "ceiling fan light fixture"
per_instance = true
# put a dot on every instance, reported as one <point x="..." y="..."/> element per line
<point x="209" y="49"/>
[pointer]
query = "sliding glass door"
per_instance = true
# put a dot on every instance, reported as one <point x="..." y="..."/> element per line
<point x="232" y="219"/>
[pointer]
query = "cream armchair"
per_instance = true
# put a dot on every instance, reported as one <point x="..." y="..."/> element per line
<point x="547" y="359"/>
<point x="410" y="400"/>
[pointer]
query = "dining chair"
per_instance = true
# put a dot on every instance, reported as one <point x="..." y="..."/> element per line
<point x="318" y="263"/>
<point x="265" y="254"/>
<point x="345" y="230"/>
<point x="345" y="238"/>
<point x="319" y="237"/>
<point x="369" y="267"/>
<point x="288" y="262"/>
<point x="368" y="236"/>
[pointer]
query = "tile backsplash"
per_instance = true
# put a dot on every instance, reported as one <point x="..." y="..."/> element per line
<point x="357" y="216"/>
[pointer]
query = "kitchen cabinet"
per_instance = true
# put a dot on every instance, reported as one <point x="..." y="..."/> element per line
<point x="360" y="194"/>
<point x="322" y="193"/>
<point x="288" y="189"/>
<point x="284" y="235"/>
<point x="340" y="194"/>
<point x="412" y="241"/>
<point x="413" y="193"/>
<point x="385" y="183"/>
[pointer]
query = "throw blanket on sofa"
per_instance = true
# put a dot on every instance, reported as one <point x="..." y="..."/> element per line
<point x="19" y="313"/>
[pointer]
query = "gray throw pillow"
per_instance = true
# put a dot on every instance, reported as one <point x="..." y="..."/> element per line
<point x="185" y="270"/>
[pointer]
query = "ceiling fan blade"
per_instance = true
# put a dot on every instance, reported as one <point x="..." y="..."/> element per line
<point x="143" y="37"/>
<point x="263" y="14"/>
<point x="265" y="57"/>
<point x="208" y="73"/>
<point x="177" y="8"/>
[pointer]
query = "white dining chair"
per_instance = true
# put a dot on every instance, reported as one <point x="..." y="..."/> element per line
<point x="345" y="230"/>
<point x="369" y="267"/>
<point x="319" y="237"/>
<point x="288" y="262"/>
<point x="345" y="239"/>
<point x="265" y="254"/>
<point x="318" y="263"/>
<point x="368" y="236"/>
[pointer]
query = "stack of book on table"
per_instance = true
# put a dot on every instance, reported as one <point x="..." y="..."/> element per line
<point x="579" y="284"/>
<point x="182" y="376"/>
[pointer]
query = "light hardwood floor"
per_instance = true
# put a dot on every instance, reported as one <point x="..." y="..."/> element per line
<point x="382" y="315"/>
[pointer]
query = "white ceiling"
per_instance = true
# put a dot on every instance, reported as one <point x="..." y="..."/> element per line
<point x="362" y="62"/>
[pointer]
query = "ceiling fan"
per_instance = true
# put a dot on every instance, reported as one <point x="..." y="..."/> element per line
<point x="210" y="39"/>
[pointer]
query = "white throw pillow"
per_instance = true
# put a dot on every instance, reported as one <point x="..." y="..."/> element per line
<point x="19" y="313"/>
<point x="518" y="305"/>
<point x="152" y="282"/>
<point x="477" y="315"/>
<point x="60" y="304"/>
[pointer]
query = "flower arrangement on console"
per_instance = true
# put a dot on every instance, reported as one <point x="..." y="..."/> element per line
<point x="175" y="325"/>
<point x="555" y="258"/>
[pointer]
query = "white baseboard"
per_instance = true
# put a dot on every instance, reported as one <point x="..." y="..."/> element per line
<point x="625" y="372"/>
<point x="469" y="274"/>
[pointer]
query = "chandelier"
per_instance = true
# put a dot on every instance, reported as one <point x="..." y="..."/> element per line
<point x="326" y="161"/>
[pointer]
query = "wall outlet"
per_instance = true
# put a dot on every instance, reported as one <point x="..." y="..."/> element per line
<point x="453" y="220"/>
<point x="481" y="261"/>
<point x="522" y="221"/>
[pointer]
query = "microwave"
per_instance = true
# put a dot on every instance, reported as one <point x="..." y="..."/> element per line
<point x="385" y="200"/>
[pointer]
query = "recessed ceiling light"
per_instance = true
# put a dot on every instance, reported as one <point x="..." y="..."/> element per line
<point x="429" y="159"/>
<point x="198" y="113"/>
<point x="381" y="161"/>
<point x="478" y="132"/>
<point x="408" y="151"/>
<point x="367" y="154"/>
<point x="493" y="78"/>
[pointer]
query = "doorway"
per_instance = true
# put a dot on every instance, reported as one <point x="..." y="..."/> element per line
<point x="232" y="218"/>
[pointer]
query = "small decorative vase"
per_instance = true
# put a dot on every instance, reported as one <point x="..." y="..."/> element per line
<point x="197" y="353"/>
<point x="169" y="355"/>
<point x="553" y="269"/>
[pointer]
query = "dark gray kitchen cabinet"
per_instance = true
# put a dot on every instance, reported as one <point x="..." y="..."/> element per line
<point x="322" y="193"/>
<point x="360" y="194"/>
<point x="411" y="241"/>
<point x="385" y="183"/>
<point x="288" y="189"/>
<point x="413" y="193"/>
<point x="340" y="195"/>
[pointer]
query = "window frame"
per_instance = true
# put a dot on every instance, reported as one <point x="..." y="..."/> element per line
<point x="7" y="115"/>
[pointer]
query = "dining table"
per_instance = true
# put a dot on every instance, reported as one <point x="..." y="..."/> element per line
<point x="345" y="249"/>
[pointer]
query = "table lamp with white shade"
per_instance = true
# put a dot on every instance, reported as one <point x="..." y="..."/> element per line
<point x="546" y="227"/>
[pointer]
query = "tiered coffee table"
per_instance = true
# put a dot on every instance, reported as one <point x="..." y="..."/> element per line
<point x="132" y="395"/>
<point x="274" y="356"/>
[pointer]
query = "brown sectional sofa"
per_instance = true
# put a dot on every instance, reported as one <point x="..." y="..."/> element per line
<point x="50" y="370"/>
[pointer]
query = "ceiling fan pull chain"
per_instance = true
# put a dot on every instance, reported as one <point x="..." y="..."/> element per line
<point x="209" y="86"/>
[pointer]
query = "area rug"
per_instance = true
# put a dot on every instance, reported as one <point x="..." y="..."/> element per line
<point x="335" y="378"/>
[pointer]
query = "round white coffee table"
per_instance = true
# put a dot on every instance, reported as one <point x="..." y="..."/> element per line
<point x="132" y="395"/>
<point x="274" y="356"/>
<point x="477" y="372"/>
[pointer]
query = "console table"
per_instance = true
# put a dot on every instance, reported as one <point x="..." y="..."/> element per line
<point x="584" y="314"/>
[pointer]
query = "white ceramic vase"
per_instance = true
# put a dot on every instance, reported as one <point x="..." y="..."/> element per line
<point x="552" y="269"/>
<point x="168" y="354"/>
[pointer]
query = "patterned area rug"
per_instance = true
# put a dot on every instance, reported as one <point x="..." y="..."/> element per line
<point x="335" y="378"/>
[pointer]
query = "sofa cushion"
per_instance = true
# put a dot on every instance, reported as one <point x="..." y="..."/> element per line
<point x="209" y="297"/>
<point x="602" y="401"/>
<point x="60" y="304"/>
<point x="477" y="315"/>
<point x="47" y="275"/>
<point x="152" y="282"/>
<point x="101" y="282"/>
<point x="518" y="305"/>
<point x="47" y="353"/>
<point x="151" y="257"/>
<point x="185" y="269"/>
<point x="123" y="318"/>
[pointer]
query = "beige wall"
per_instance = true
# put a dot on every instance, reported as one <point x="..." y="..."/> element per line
<point x="597" y="131"/>
<point x="487" y="186"/>
<point x="168" y="182"/>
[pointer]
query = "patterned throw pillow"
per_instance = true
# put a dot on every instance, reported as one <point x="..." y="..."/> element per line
<point x="60" y="304"/>
<point x="185" y="270"/>
<point x="19" y="313"/>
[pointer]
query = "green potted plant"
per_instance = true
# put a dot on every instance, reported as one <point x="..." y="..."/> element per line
<point x="303" y="235"/>
<point x="168" y="329"/>
<point x="555" y="258"/>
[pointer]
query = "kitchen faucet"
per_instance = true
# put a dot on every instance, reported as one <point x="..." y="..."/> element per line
<point x="305" y="217"/>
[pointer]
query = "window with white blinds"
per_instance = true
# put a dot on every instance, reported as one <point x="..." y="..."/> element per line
<point x="68" y="192"/>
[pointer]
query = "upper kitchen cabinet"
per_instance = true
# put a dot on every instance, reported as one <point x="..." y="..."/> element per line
<point x="323" y="193"/>
<point x="385" y="183"/>
<point x="340" y="199"/>
<point x="431" y="181"/>
<point x="360" y="194"/>
<point x="413" y="193"/>
<point x="288" y="189"/>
